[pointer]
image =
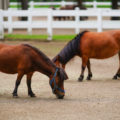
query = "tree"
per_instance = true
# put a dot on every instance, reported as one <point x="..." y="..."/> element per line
<point x="24" y="6"/>
<point x="4" y="4"/>
<point x="115" y="6"/>
<point x="80" y="5"/>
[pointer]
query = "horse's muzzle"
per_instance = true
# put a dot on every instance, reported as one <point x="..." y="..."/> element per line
<point x="60" y="96"/>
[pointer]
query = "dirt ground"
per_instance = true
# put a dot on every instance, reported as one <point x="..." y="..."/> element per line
<point x="98" y="99"/>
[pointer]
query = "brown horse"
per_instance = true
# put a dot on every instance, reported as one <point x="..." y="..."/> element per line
<point x="90" y="45"/>
<point x="25" y="60"/>
<point x="69" y="7"/>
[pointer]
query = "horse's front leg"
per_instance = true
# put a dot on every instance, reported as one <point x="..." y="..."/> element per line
<point x="89" y="71"/>
<point x="19" y="77"/>
<point x="30" y="92"/>
<point x="118" y="72"/>
<point x="84" y="63"/>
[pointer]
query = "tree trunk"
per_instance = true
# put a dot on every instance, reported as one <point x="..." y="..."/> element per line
<point x="115" y="6"/>
<point x="24" y="6"/>
<point x="4" y="4"/>
<point x="80" y="4"/>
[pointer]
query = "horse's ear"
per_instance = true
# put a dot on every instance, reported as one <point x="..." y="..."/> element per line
<point x="57" y="58"/>
<point x="62" y="74"/>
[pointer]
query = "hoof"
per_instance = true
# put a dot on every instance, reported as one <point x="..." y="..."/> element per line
<point x="88" y="78"/>
<point x="118" y="75"/>
<point x="32" y="95"/>
<point x="15" y="95"/>
<point x="115" y="77"/>
<point x="80" y="79"/>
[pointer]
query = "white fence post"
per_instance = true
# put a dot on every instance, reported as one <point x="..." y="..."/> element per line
<point x="77" y="30"/>
<point x="62" y="3"/>
<point x="32" y="5"/>
<point x="30" y="22"/>
<point x="10" y="29"/>
<point x="95" y="4"/>
<point x="1" y="25"/>
<point x="49" y="29"/>
<point x="99" y="21"/>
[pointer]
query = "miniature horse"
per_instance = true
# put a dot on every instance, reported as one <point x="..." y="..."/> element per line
<point x="90" y="45"/>
<point x="25" y="59"/>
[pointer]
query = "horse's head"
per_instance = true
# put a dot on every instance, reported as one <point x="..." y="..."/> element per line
<point x="58" y="63"/>
<point x="57" y="82"/>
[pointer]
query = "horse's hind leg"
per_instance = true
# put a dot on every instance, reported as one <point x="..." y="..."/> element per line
<point x="19" y="77"/>
<point x="30" y="93"/>
<point x="89" y="71"/>
<point x="84" y="63"/>
<point x="118" y="72"/>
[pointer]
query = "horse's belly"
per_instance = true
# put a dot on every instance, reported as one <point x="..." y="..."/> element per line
<point x="106" y="53"/>
<point x="9" y="68"/>
<point x="8" y="64"/>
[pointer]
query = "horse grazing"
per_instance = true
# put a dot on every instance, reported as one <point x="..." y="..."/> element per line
<point x="90" y="45"/>
<point x="25" y="60"/>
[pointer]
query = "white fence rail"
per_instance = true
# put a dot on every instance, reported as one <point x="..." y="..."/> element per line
<point x="99" y="24"/>
<point x="63" y="3"/>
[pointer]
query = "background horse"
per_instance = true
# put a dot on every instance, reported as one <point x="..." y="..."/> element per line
<point x="25" y="59"/>
<point x="69" y="7"/>
<point x="90" y="45"/>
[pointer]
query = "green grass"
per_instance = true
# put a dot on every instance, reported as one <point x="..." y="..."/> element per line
<point x="63" y="37"/>
<point x="46" y="6"/>
<point x="14" y="37"/>
<point x="58" y="6"/>
<point x="98" y="6"/>
<point x="15" y="6"/>
<point x="36" y="6"/>
<point x="104" y="6"/>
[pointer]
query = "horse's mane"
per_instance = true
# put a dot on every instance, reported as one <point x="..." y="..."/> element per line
<point x="41" y="54"/>
<point x="70" y="50"/>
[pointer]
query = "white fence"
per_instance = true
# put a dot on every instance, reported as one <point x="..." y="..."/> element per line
<point x="1" y="25"/>
<point x="99" y="24"/>
<point x="63" y="3"/>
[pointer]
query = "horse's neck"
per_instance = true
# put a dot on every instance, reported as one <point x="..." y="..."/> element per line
<point x="67" y="54"/>
<point x="45" y="68"/>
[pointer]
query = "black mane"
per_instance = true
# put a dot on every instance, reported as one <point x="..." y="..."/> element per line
<point x="41" y="54"/>
<point x="70" y="50"/>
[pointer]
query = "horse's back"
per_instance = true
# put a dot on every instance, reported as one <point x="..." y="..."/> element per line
<point x="13" y="57"/>
<point x="100" y="45"/>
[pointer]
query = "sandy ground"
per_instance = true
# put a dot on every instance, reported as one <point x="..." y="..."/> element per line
<point x="98" y="99"/>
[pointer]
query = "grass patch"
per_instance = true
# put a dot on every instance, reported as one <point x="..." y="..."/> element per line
<point x="104" y="6"/>
<point x="36" y="6"/>
<point x="98" y="6"/>
<point x="15" y="37"/>
<point x="63" y="37"/>
<point x="58" y="6"/>
<point x="15" y="6"/>
<point x="25" y="37"/>
<point x="46" y="6"/>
